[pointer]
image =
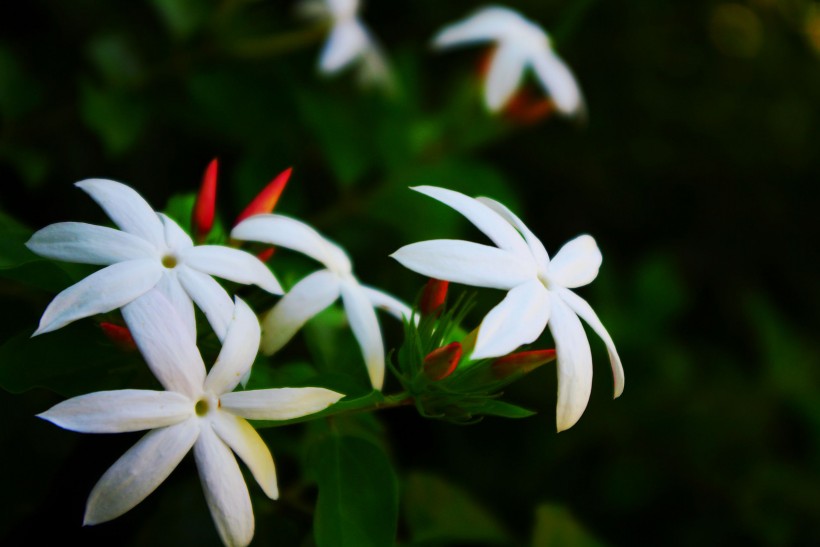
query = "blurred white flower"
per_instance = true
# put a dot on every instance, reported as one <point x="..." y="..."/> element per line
<point x="538" y="292"/>
<point x="150" y="250"/>
<point x="320" y="289"/>
<point x="520" y="44"/>
<point x="197" y="410"/>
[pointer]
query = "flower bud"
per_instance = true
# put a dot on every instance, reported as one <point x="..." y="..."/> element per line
<point x="521" y="362"/>
<point x="266" y="200"/>
<point x="202" y="217"/>
<point x="441" y="362"/>
<point x="119" y="335"/>
<point x="433" y="297"/>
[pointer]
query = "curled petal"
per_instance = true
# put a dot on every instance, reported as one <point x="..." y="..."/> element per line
<point x="574" y="364"/>
<point x="491" y="23"/>
<point x="537" y="249"/>
<point x="346" y="42"/>
<point x="279" y="404"/>
<point x="89" y="244"/>
<point x="139" y="471"/>
<point x="519" y="319"/>
<point x="465" y="262"/>
<point x="365" y="327"/>
<point x="576" y="263"/>
<point x="390" y="304"/>
<point x="506" y="71"/>
<point x="233" y="265"/>
<point x="243" y="439"/>
<point x="100" y="292"/>
<point x="558" y="82"/>
<point x="238" y="351"/>
<point x="211" y="298"/>
<point x="126" y="208"/>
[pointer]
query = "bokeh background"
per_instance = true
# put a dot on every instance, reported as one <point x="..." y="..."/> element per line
<point x="696" y="172"/>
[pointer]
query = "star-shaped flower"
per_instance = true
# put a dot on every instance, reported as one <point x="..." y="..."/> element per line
<point x="150" y="250"/>
<point x="197" y="410"/>
<point x="320" y="289"/>
<point x="520" y="44"/>
<point x="538" y="292"/>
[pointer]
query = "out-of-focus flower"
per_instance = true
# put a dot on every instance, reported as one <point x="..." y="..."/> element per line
<point x="150" y="250"/>
<point x="320" y="289"/>
<point x="196" y="410"/>
<point x="349" y="42"/>
<point x="520" y="44"/>
<point x="538" y="292"/>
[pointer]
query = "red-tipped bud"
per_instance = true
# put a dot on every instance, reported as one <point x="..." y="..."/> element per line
<point x="265" y="255"/>
<point x="441" y="363"/>
<point x="266" y="200"/>
<point x="522" y="362"/>
<point x="119" y="335"/>
<point x="202" y="218"/>
<point x="433" y="297"/>
<point x="527" y="108"/>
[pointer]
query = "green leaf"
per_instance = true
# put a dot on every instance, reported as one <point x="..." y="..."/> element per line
<point x="183" y="17"/>
<point x="506" y="410"/>
<point x="117" y="118"/>
<point x="437" y="510"/>
<point x="358" y="494"/>
<point x="556" y="527"/>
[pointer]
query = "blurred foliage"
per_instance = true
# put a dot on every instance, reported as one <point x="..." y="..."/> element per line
<point x="697" y="173"/>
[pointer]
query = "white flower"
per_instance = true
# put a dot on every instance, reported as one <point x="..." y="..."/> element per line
<point x="150" y="250"/>
<point x="320" y="289"/>
<point x="349" y="41"/>
<point x="538" y="292"/>
<point x="197" y="410"/>
<point x="520" y="44"/>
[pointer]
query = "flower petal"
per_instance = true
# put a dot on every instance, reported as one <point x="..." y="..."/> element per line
<point x="519" y="319"/>
<point x="537" y="249"/>
<point x="576" y="263"/>
<point x="238" y="350"/>
<point x="89" y="244"/>
<point x="347" y="40"/>
<point x="243" y="439"/>
<point x="175" y="237"/>
<point x="209" y="295"/>
<point x="295" y="235"/>
<point x="100" y="292"/>
<point x="574" y="364"/>
<point x="365" y="328"/>
<point x="170" y="286"/>
<point x="506" y="72"/>
<point x="225" y="490"/>
<point x="166" y="343"/>
<point x="465" y="262"/>
<point x="390" y="304"/>
<point x="120" y="411"/>
<point x="126" y="208"/>
<point x="233" y="265"/>
<point x="585" y="312"/>
<point x="558" y="81"/>
<point x="491" y="23"/>
<point x="311" y="295"/>
<point x="139" y="471"/>
<point x="484" y="218"/>
<point x="279" y="403"/>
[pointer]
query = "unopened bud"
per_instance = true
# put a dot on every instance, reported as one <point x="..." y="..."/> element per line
<point x="119" y="335"/>
<point x="266" y="200"/>
<point x="433" y="297"/>
<point x="522" y="362"/>
<point x="525" y="108"/>
<point x="441" y="362"/>
<point x="202" y="217"/>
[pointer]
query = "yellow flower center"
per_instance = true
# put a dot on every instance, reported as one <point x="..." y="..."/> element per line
<point x="169" y="261"/>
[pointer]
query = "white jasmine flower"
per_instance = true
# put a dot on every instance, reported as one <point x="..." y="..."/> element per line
<point x="196" y="410"/>
<point x="150" y="250"/>
<point x="521" y="44"/>
<point x="538" y="292"/>
<point x="320" y="289"/>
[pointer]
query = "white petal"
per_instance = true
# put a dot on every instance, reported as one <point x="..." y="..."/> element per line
<point x="505" y="73"/>
<point x="101" y="292"/>
<point x="233" y="265"/>
<point x="295" y="235"/>
<point x="492" y="23"/>
<point x="238" y="350"/>
<point x="576" y="263"/>
<point x="243" y="439"/>
<point x="126" y="208"/>
<point x="537" y="249"/>
<point x="574" y="364"/>
<point x="279" y="403"/>
<point x="484" y="218"/>
<point x="365" y="328"/>
<point x="558" y="81"/>
<point x="519" y="319"/>
<point x="170" y="286"/>
<point x="211" y="298"/>
<point x="311" y="295"/>
<point x="346" y="42"/>
<point x="139" y="471"/>
<point x="166" y="343"/>
<point x="89" y="244"/>
<point x="120" y="411"/>
<point x="468" y="263"/>
<point x="175" y="237"/>
<point x="585" y="312"/>
<point x="388" y="303"/>
<point x="225" y="490"/>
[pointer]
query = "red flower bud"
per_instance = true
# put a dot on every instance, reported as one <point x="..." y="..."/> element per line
<point x="266" y="200"/>
<point x="265" y="255"/>
<point x="441" y="362"/>
<point x="202" y="218"/>
<point x="119" y="335"/>
<point x="526" y="108"/>
<point x="522" y="362"/>
<point x="433" y="297"/>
